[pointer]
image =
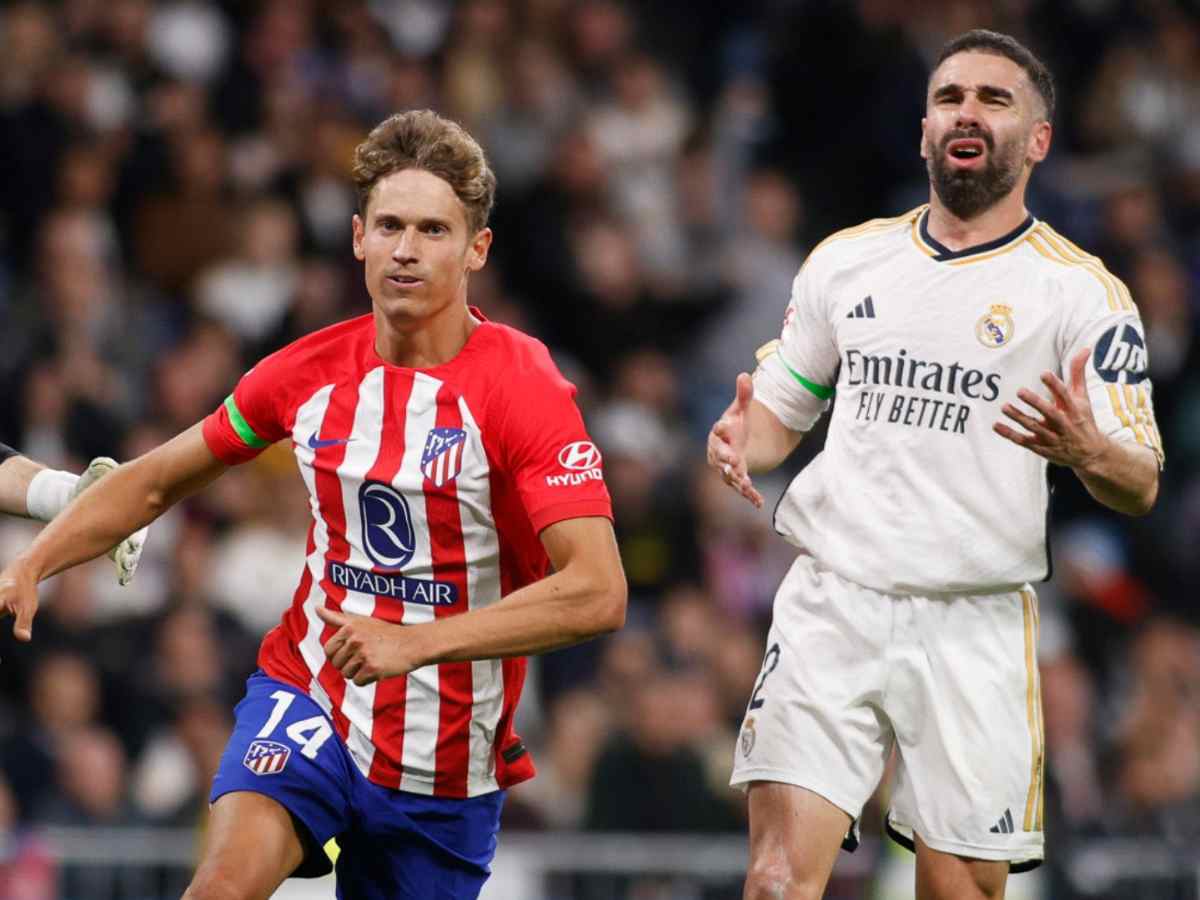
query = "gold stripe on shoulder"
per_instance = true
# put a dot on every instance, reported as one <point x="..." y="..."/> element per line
<point x="867" y="227"/>
<point x="766" y="350"/>
<point x="1075" y="256"/>
<point x="1044" y="244"/>
<point x="1093" y="263"/>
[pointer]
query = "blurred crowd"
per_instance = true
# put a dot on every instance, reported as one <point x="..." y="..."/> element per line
<point x="175" y="203"/>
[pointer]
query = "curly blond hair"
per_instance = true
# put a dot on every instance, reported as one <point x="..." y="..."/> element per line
<point x="421" y="139"/>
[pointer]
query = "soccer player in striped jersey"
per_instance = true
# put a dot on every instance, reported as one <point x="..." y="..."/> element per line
<point x="448" y="470"/>
<point x="907" y="622"/>
<point x="34" y="491"/>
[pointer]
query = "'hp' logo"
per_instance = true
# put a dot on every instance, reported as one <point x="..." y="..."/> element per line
<point x="1120" y="355"/>
<point x="387" y="525"/>
<point x="579" y="456"/>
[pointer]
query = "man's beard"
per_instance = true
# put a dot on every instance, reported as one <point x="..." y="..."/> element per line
<point x="965" y="192"/>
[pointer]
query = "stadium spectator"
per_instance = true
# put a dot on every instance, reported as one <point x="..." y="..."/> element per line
<point x="64" y="698"/>
<point x="650" y="777"/>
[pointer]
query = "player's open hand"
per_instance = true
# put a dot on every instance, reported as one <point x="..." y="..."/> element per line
<point x="365" y="649"/>
<point x="1065" y="432"/>
<point x="727" y="442"/>
<point x="18" y="598"/>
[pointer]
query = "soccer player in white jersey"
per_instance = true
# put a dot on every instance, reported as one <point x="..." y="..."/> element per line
<point x="448" y="470"/>
<point x="969" y="346"/>
<point x="34" y="491"/>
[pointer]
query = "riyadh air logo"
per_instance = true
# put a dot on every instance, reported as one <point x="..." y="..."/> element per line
<point x="581" y="459"/>
<point x="1120" y="355"/>
<point x="387" y="525"/>
<point x="579" y="456"/>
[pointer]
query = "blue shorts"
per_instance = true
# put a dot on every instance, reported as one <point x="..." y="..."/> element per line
<point x="394" y="844"/>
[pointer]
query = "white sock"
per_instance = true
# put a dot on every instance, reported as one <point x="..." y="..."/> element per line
<point x="49" y="493"/>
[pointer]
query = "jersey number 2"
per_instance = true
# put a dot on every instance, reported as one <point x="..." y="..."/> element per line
<point x="770" y="661"/>
<point x="309" y="733"/>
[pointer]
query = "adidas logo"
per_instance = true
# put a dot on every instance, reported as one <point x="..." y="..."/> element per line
<point x="1005" y="825"/>
<point x="864" y="310"/>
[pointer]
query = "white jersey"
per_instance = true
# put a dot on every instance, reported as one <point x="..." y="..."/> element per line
<point x="914" y="492"/>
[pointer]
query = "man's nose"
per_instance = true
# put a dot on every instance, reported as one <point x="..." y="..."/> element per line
<point x="406" y="245"/>
<point x="968" y="111"/>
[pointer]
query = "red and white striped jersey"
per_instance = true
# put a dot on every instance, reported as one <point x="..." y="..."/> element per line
<point x="428" y="489"/>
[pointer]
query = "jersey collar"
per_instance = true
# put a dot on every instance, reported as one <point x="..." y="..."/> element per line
<point x="939" y="252"/>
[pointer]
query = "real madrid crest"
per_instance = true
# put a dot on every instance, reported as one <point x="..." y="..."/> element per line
<point x="748" y="737"/>
<point x="995" y="328"/>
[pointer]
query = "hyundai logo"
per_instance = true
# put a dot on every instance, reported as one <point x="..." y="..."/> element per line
<point x="579" y="456"/>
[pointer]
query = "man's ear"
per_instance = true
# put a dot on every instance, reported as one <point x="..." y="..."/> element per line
<point x="477" y="253"/>
<point x="1039" y="141"/>
<point x="359" y="229"/>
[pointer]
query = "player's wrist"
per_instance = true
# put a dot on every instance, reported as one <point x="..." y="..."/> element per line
<point x="1096" y="460"/>
<point x="421" y="644"/>
<point x="25" y="566"/>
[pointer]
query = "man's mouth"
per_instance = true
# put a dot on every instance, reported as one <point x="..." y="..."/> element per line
<point x="404" y="280"/>
<point x="966" y="152"/>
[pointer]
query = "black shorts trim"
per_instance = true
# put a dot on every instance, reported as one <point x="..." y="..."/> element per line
<point x="317" y="863"/>
<point x="1014" y="868"/>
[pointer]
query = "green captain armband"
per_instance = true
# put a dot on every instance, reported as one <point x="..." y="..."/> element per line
<point x="817" y="390"/>
<point x="241" y="426"/>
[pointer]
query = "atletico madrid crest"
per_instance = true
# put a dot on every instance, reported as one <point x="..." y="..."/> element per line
<point x="266" y="757"/>
<point x="442" y="459"/>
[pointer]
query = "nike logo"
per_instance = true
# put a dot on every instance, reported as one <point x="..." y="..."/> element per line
<point x="317" y="443"/>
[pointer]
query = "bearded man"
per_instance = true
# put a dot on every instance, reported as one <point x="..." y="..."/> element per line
<point x="908" y="623"/>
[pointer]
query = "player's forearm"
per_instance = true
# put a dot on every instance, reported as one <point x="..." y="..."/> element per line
<point x="560" y="610"/>
<point x="1123" y="477"/>
<point x="770" y="442"/>
<point x="16" y="473"/>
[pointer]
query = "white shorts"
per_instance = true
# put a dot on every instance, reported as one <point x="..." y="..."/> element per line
<point x="950" y="681"/>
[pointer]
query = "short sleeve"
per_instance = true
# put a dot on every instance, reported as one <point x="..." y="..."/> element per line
<point x="247" y="422"/>
<point x="553" y="462"/>
<point x="1118" y="383"/>
<point x="796" y="373"/>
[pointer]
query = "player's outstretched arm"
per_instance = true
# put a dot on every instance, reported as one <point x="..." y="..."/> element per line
<point x="1120" y="475"/>
<point x="748" y="438"/>
<point x="122" y="502"/>
<point x="584" y="598"/>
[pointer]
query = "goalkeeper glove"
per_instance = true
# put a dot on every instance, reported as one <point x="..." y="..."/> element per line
<point x="128" y="553"/>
